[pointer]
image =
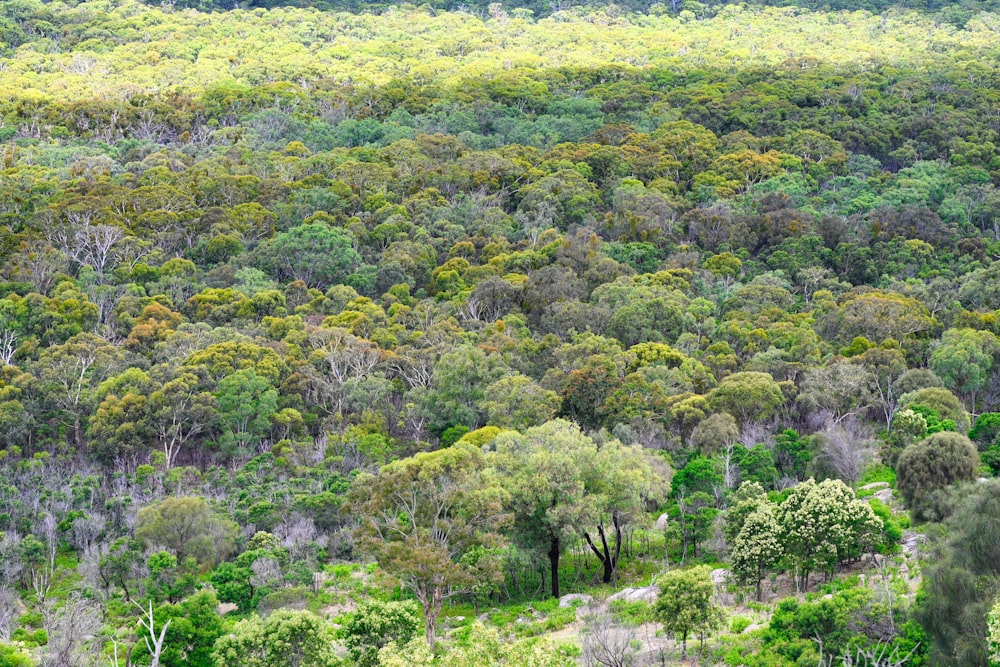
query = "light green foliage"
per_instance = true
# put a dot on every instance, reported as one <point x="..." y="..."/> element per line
<point x="993" y="638"/>
<point x="963" y="359"/>
<point x="285" y="638"/>
<point x="317" y="255"/>
<point x="518" y="402"/>
<point x="563" y="486"/>
<point x="246" y="402"/>
<point x="375" y="624"/>
<point x="187" y="526"/>
<point x="195" y="625"/>
<point x="757" y="546"/>
<point x="939" y="400"/>
<point x="687" y="603"/>
<point x="824" y="524"/>
<point x="748" y="396"/>
<point x="419" y="515"/>
<point x="12" y="655"/>
<point x="485" y="647"/>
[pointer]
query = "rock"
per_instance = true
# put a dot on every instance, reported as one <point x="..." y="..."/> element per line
<point x="752" y="627"/>
<point x="226" y="607"/>
<point x="884" y="496"/>
<point x="719" y="576"/>
<point x="661" y="522"/>
<point x="875" y="485"/>
<point x="828" y="596"/>
<point x="621" y="595"/>
<point x="647" y="594"/>
<point x="568" y="600"/>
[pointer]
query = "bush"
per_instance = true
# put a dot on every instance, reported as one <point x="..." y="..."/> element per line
<point x="928" y="467"/>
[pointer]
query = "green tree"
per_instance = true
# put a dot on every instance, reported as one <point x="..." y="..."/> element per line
<point x="748" y="396"/>
<point x="286" y="637"/>
<point x="70" y="374"/>
<point x="186" y="526"/>
<point x="374" y="624"/>
<point x="419" y="515"/>
<point x="195" y="625"/>
<point x="179" y="411"/>
<point x="562" y="486"/>
<point x="246" y="402"/>
<point x="926" y="468"/>
<point x="963" y="359"/>
<point x="961" y="581"/>
<point x="518" y="402"/>
<point x="687" y="603"/>
<point x="757" y="547"/>
<point x="824" y="524"/>
<point x="314" y="253"/>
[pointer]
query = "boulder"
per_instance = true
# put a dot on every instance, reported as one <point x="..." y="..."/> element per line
<point x="884" y="496"/>
<point x="647" y="594"/>
<point x="719" y="576"/>
<point x="569" y="600"/>
<point x="621" y="595"/>
<point x="875" y="485"/>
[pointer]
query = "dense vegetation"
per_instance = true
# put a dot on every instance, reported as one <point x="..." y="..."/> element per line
<point x="333" y="338"/>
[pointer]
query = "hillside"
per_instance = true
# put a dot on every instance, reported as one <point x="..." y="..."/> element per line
<point x="600" y="335"/>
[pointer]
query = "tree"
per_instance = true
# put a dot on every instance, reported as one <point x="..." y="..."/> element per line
<point x="71" y="630"/>
<point x="178" y="412"/>
<point x="824" y="524"/>
<point x="420" y="515"/>
<point x="757" y="546"/>
<point x="563" y="485"/>
<point x="845" y="449"/>
<point x="314" y="253"/>
<point x="942" y="402"/>
<point x="961" y="581"/>
<point x="840" y="389"/>
<point x="70" y="374"/>
<point x="516" y="401"/>
<point x="884" y="367"/>
<point x="375" y="624"/>
<point x="687" y="603"/>
<point x="748" y="396"/>
<point x="154" y="642"/>
<point x="285" y="639"/>
<point x="926" y="468"/>
<point x="192" y="628"/>
<point x="714" y="433"/>
<point x="187" y="526"/>
<point x="963" y="359"/>
<point x="246" y="402"/>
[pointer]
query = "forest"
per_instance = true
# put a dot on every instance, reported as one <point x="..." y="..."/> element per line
<point x="467" y="335"/>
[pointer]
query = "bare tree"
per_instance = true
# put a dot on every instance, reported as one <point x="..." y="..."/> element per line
<point x="70" y="629"/>
<point x="8" y="612"/>
<point x="878" y="655"/>
<point x="43" y="573"/>
<point x="38" y="263"/>
<point x="154" y="643"/>
<point x="8" y="344"/>
<point x="608" y="643"/>
<point x="845" y="448"/>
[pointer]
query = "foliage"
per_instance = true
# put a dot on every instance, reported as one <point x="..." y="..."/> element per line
<point x="927" y="468"/>
<point x="285" y="637"/>
<point x="686" y="604"/>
